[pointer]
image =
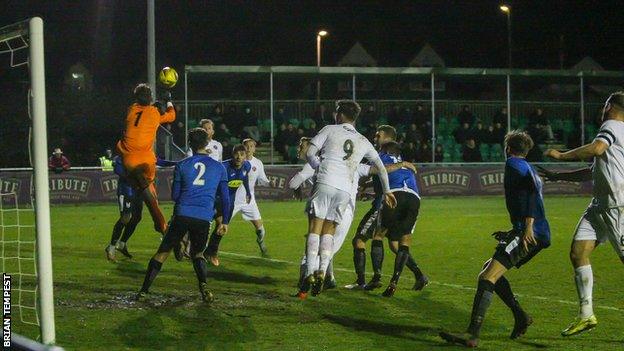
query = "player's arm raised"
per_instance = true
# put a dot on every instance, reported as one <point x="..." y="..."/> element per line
<point x="169" y="115"/>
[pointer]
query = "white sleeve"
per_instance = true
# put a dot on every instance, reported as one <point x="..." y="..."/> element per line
<point x="383" y="174"/>
<point x="306" y="173"/>
<point x="189" y="152"/>
<point x="262" y="179"/>
<point x="607" y="132"/>
<point x="363" y="170"/>
<point x="220" y="151"/>
<point x="321" y="137"/>
<point x="313" y="160"/>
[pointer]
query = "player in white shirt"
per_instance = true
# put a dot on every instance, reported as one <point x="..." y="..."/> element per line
<point x="250" y="211"/>
<point x="602" y="219"/>
<point x="341" y="149"/>
<point x="214" y="148"/>
<point x="307" y="175"/>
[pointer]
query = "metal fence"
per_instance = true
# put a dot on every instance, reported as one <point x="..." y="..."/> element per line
<point x="570" y="99"/>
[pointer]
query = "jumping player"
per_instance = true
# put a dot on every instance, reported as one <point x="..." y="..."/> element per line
<point x="196" y="182"/>
<point x="136" y="149"/>
<point x="341" y="149"/>
<point x="530" y="234"/>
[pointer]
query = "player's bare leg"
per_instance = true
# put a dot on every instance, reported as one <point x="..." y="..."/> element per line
<point x="212" y="251"/>
<point x="260" y="234"/>
<point x="580" y="253"/>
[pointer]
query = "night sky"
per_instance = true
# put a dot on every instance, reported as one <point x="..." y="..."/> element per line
<point x="109" y="37"/>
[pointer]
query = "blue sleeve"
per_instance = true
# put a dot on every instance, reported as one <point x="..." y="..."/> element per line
<point x="177" y="184"/>
<point x="386" y="159"/>
<point x="165" y="163"/>
<point x="531" y="193"/>
<point x="224" y="193"/>
<point x="118" y="167"/>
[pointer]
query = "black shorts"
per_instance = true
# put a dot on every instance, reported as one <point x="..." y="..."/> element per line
<point x="180" y="225"/>
<point x="400" y="220"/>
<point x="511" y="253"/>
<point x="130" y="204"/>
<point x="366" y="228"/>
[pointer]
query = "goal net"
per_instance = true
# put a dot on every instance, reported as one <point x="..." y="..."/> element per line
<point x="25" y="246"/>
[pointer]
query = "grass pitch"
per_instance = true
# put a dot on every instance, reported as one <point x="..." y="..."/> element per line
<point x="254" y="310"/>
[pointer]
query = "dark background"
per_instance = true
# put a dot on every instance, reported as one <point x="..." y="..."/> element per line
<point x="109" y="39"/>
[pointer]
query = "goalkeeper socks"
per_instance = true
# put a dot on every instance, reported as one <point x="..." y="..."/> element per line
<point x="260" y="234"/>
<point x="584" y="279"/>
<point x="326" y="251"/>
<point x="153" y="268"/>
<point x="413" y="266"/>
<point x="312" y="251"/>
<point x="213" y="244"/>
<point x="150" y="199"/>
<point x="503" y="290"/>
<point x="359" y="261"/>
<point x="377" y="256"/>
<point x="482" y="300"/>
<point x="201" y="269"/>
<point x="116" y="232"/>
<point x="399" y="262"/>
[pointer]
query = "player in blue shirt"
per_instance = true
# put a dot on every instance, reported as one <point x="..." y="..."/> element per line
<point x="237" y="169"/>
<point x="196" y="182"/>
<point x="397" y="224"/>
<point x="130" y="209"/>
<point x="530" y="234"/>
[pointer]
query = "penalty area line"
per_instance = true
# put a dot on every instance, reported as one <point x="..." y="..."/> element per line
<point x="448" y="285"/>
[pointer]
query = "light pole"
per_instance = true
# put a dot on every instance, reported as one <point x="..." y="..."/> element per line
<point x="506" y="9"/>
<point x="321" y="33"/>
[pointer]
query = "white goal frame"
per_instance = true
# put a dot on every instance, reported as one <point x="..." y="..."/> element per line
<point x="36" y="66"/>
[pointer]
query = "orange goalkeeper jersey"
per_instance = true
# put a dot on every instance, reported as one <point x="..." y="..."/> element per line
<point x="141" y="125"/>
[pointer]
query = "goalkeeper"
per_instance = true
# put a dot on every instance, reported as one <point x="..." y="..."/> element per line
<point x="136" y="149"/>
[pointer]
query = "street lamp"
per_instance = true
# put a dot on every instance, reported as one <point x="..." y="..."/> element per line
<point x="321" y="33"/>
<point x="506" y="9"/>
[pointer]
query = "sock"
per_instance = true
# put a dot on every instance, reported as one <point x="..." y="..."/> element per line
<point x="326" y="250"/>
<point x="584" y="279"/>
<point x="121" y="245"/>
<point x="329" y="273"/>
<point x="503" y="290"/>
<point x="129" y="229"/>
<point x="260" y="234"/>
<point x="413" y="266"/>
<point x="201" y="269"/>
<point x="312" y="250"/>
<point x="377" y="256"/>
<point x="153" y="267"/>
<point x="359" y="261"/>
<point x="151" y="200"/>
<point x="399" y="262"/>
<point x="213" y="244"/>
<point x="482" y="300"/>
<point x="116" y="232"/>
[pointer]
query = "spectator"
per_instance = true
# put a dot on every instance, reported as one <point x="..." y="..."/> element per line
<point x="462" y="133"/>
<point x="58" y="162"/>
<point x="291" y="139"/>
<point x="178" y="131"/>
<point x="281" y="116"/>
<point x="217" y="114"/>
<point x="465" y="116"/>
<point x="106" y="161"/>
<point x="234" y="121"/>
<point x="310" y="132"/>
<point x="368" y="118"/>
<point x="227" y="149"/>
<point x="223" y="133"/>
<point x="250" y="125"/>
<point x="279" y="141"/>
<point x="498" y="133"/>
<point x="542" y="127"/>
<point x="490" y="138"/>
<point x="394" y="116"/>
<point x="500" y="117"/>
<point x="410" y="152"/>
<point x="422" y="118"/>
<point x="425" y="152"/>
<point x="481" y="134"/>
<point x="413" y="134"/>
<point x="439" y="153"/>
<point x="321" y="117"/>
<point x="471" y="152"/>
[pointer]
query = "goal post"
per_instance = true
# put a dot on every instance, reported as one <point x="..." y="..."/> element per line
<point x="14" y="40"/>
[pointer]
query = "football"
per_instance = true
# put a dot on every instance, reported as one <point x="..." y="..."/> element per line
<point x="168" y="77"/>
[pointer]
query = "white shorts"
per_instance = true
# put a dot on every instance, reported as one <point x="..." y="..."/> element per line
<point x="249" y="212"/>
<point x="328" y="203"/>
<point x="602" y="224"/>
